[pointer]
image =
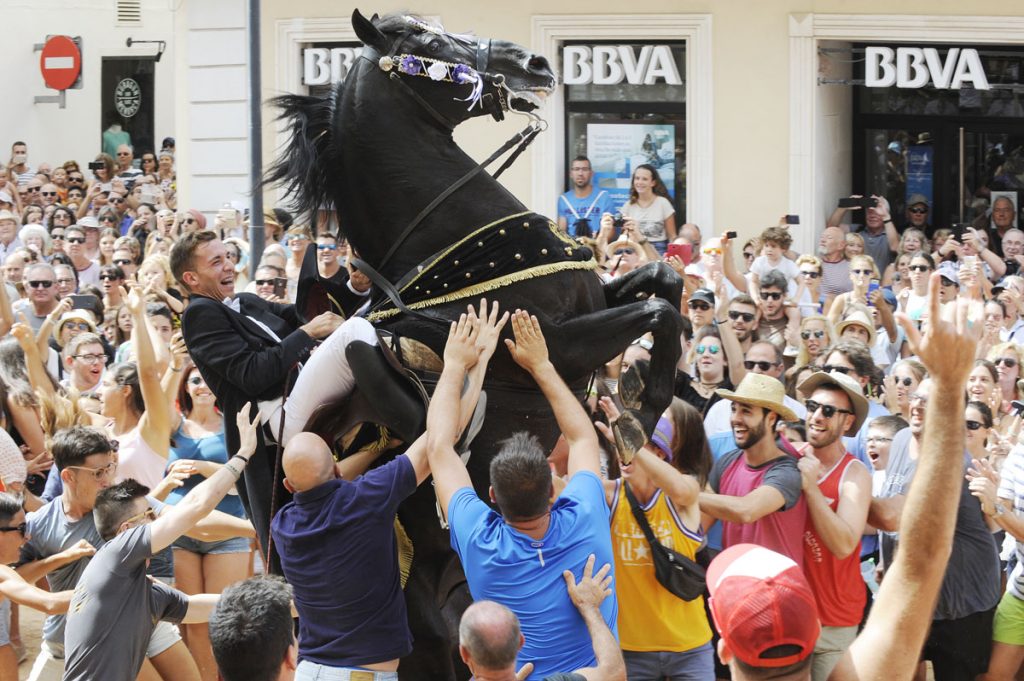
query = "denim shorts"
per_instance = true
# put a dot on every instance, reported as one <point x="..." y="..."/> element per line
<point x="5" y="622"/>
<point x="692" y="665"/>
<point x="311" y="671"/>
<point x="233" y="545"/>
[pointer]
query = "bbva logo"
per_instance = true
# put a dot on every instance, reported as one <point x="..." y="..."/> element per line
<point x="914" y="67"/>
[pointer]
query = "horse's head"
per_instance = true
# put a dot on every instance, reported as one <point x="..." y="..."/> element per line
<point x="472" y="76"/>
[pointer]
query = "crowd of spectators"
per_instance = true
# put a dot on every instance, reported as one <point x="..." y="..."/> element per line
<point x="807" y="399"/>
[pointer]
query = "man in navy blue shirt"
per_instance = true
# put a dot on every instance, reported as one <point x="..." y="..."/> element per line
<point x="580" y="209"/>
<point x="336" y="541"/>
<point x="518" y="558"/>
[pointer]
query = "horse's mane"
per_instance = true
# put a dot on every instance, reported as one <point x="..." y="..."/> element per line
<point x="303" y="167"/>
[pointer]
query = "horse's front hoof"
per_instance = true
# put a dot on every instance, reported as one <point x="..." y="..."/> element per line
<point x="629" y="436"/>
<point x="631" y="387"/>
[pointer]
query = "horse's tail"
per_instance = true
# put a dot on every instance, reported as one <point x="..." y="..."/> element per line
<point x="306" y="166"/>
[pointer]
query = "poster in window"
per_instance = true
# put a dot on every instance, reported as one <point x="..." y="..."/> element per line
<point x="616" y="149"/>
<point x="1011" y="196"/>
<point x="920" y="161"/>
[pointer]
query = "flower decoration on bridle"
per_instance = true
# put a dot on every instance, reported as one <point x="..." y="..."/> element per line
<point x="437" y="69"/>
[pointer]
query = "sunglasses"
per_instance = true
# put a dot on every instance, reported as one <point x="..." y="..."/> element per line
<point x="58" y="236"/>
<point x="947" y="282"/>
<point x="624" y="251"/>
<point x="109" y="277"/>
<point x="49" y="193"/>
<point x="905" y="381"/>
<point x="810" y="273"/>
<point x="101" y="472"/>
<point x="123" y="261"/>
<point x="762" y="365"/>
<point x="20" y="529"/>
<point x="918" y="211"/>
<point x="1008" y="362"/>
<point x="327" y="247"/>
<point x="827" y="410"/>
<point x="32" y="190"/>
<point x="748" y="256"/>
<point x="745" y="316"/>
<point x="713" y="349"/>
<point x="40" y="284"/>
<point x="973" y="425"/>
<point x="771" y="295"/>
<point x="108" y="218"/>
<point x="829" y="368"/>
<point x="866" y="273"/>
<point x="919" y="268"/>
<point x="117" y="200"/>
<point x="712" y="251"/>
<point x="265" y="282"/>
<point x="190" y="221"/>
<point x="75" y="239"/>
<point x="806" y="335"/>
<point x="698" y="305"/>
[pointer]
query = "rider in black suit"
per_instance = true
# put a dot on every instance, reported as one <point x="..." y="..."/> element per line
<point x="240" y="360"/>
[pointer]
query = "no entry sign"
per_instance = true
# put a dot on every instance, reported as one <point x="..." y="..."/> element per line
<point x="60" y="62"/>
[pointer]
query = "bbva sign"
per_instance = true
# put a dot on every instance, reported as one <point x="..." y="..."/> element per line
<point x="914" y="67"/>
<point x="611" y="64"/>
<point x="321" y="65"/>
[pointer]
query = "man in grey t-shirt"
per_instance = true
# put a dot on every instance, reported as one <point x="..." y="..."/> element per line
<point x="960" y="639"/>
<point x="115" y="602"/>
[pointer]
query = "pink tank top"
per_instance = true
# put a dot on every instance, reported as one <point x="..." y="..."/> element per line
<point x="136" y="459"/>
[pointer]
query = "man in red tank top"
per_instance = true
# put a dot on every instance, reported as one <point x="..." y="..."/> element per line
<point x="837" y="487"/>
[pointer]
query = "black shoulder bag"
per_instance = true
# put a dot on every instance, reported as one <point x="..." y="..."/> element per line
<point x="674" y="571"/>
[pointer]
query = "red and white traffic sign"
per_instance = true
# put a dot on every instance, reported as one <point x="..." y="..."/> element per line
<point x="60" y="62"/>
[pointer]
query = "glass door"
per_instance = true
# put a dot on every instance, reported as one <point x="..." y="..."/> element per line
<point x="991" y="165"/>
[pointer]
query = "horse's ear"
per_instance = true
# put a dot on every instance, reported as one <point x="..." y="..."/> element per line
<point x="367" y="32"/>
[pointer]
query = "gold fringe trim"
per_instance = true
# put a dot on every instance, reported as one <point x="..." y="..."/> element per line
<point x="490" y="285"/>
<point x="405" y="552"/>
<point x="458" y="243"/>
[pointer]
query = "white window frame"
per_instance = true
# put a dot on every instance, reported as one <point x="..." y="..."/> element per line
<point x="549" y="32"/>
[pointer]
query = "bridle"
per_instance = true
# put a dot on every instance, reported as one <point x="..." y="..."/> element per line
<point x="396" y="64"/>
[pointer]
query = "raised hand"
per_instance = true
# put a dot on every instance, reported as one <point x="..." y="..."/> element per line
<point x="247" y="430"/>
<point x="461" y="350"/>
<point x="489" y="327"/>
<point x="80" y="549"/>
<point x="179" y="351"/>
<point x="529" y="350"/>
<point x="134" y="298"/>
<point x="947" y="348"/>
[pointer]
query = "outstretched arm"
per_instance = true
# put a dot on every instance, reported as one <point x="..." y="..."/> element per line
<point x="198" y="503"/>
<point x="901" y="616"/>
<point x="749" y="508"/>
<point x="530" y="351"/>
<point x="587" y="596"/>
<point x="14" y="587"/>
<point x="460" y="355"/>
<point x="154" y="423"/>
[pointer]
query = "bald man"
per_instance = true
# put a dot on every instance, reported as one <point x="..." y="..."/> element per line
<point x="336" y="540"/>
<point x="835" y="268"/>
<point x="490" y="638"/>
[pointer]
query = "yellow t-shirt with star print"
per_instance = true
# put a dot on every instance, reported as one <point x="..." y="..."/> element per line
<point x="650" y="617"/>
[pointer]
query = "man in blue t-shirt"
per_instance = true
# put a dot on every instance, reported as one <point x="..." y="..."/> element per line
<point x="580" y="209"/>
<point x="518" y="558"/>
<point x="341" y="521"/>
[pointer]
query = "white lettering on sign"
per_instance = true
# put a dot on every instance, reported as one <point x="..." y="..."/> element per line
<point x="321" y="66"/>
<point x="611" y="64"/>
<point x="59" y="62"/>
<point x="914" y="67"/>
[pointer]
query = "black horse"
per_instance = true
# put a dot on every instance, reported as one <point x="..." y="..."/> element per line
<point x="380" y="150"/>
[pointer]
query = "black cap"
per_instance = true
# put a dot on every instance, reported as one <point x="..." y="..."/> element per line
<point x="707" y="295"/>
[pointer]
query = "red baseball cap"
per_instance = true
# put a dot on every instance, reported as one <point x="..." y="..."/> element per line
<point x="761" y="600"/>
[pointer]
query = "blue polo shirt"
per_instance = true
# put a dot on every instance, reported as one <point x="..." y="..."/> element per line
<point x="525" y="574"/>
<point x="337" y="547"/>
<point x="590" y="208"/>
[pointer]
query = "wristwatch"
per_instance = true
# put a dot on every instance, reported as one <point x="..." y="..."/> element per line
<point x="1000" y="510"/>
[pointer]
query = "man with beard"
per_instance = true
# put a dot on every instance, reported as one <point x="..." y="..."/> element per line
<point x="580" y="209"/>
<point x="960" y="639"/>
<point x="756" y="488"/>
<point x="837" y="488"/>
<point x="742" y="316"/>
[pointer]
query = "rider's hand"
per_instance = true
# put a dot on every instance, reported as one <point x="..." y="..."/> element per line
<point x="529" y="350"/>
<point x="322" y="325"/>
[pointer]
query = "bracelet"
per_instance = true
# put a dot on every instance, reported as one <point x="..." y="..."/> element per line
<point x="243" y="458"/>
<point x="888" y="222"/>
<point x="177" y="371"/>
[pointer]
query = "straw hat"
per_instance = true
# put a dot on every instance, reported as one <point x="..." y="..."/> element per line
<point x="861" y="319"/>
<point x="759" y="390"/>
<point x="849" y="386"/>
<point x="73" y="316"/>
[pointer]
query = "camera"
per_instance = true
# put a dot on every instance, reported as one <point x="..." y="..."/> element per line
<point x="618" y="220"/>
<point x="96" y="165"/>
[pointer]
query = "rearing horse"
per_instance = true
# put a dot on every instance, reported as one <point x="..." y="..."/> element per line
<point x="380" y="150"/>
